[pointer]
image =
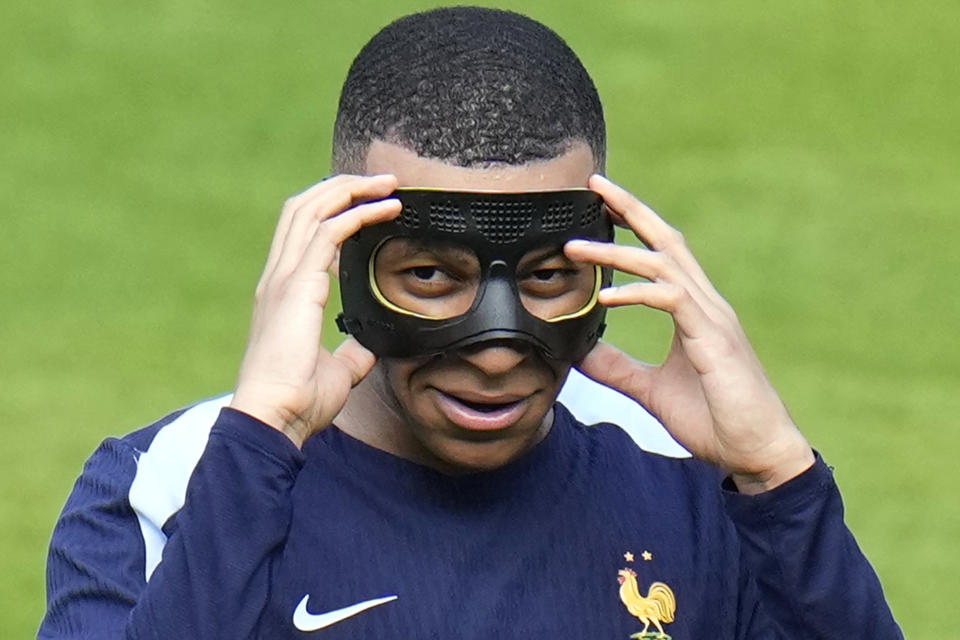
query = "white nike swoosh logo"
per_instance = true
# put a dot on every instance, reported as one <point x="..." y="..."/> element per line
<point x="306" y="621"/>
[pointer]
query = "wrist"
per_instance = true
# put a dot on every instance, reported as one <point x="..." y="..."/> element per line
<point x="283" y="421"/>
<point x="784" y="468"/>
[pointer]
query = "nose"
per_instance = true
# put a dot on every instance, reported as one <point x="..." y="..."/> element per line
<point x="496" y="357"/>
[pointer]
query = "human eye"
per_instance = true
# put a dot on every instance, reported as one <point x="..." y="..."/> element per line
<point x="425" y="272"/>
<point x="549" y="275"/>
<point x="429" y="281"/>
<point x="547" y="282"/>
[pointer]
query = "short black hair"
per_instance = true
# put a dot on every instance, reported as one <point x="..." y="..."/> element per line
<point x="471" y="87"/>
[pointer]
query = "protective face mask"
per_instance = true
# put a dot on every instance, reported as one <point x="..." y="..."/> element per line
<point x="457" y="268"/>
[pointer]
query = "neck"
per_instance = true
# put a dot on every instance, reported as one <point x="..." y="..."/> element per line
<point x="373" y="416"/>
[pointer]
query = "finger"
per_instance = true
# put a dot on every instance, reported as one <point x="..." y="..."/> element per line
<point x="296" y="200"/>
<point x="653" y="231"/>
<point x="648" y="226"/>
<point x="613" y="368"/>
<point x="617" y="219"/>
<point x="348" y="194"/>
<point x="290" y="207"/>
<point x="319" y="255"/>
<point x="358" y="360"/>
<point x="633" y="260"/>
<point x="691" y="320"/>
<point x="335" y="264"/>
<point x="655" y="266"/>
<point x="326" y="204"/>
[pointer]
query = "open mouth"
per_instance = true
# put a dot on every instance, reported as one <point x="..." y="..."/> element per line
<point x="485" y="407"/>
<point x="481" y="416"/>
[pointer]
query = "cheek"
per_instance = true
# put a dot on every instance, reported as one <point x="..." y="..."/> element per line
<point x="399" y="371"/>
<point x="558" y="371"/>
<point x="401" y="376"/>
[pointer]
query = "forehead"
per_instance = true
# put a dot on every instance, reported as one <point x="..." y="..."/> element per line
<point x="569" y="171"/>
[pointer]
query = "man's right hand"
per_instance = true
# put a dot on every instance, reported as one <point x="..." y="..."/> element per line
<point x="288" y="379"/>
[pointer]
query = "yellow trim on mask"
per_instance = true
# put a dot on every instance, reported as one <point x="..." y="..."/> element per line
<point x="597" y="285"/>
<point x="382" y="299"/>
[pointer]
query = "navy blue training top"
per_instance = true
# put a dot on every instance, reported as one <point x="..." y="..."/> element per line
<point x="585" y="536"/>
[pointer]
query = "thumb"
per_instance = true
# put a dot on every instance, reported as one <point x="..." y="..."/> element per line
<point x="613" y="368"/>
<point x="356" y="358"/>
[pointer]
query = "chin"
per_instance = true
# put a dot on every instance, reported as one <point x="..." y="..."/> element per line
<point x="459" y="452"/>
<point x="457" y="458"/>
<point x="454" y="450"/>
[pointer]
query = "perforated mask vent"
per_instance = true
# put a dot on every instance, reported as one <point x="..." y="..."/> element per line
<point x="590" y="214"/>
<point x="409" y="217"/>
<point x="559" y="217"/>
<point x="502" y="222"/>
<point x="445" y="216"/>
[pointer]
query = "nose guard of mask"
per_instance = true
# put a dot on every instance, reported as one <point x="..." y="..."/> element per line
<point x="499" y="228"/>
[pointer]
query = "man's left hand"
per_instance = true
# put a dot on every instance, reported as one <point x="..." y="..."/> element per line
<point x="711" y="392"/>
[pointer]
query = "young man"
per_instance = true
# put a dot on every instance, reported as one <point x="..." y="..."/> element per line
<point x="438" y="491"/>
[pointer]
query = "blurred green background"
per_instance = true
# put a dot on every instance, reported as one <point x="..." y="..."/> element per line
<point x="810" y="152"/>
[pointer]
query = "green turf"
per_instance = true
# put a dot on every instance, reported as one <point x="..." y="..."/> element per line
<point x="809" y="151"/>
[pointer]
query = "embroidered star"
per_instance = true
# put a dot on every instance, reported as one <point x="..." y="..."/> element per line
<point x="647" y="555"/>
<point x="628" y="556"/>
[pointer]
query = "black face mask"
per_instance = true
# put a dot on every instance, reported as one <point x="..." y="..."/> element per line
<point x="457" y="268"/>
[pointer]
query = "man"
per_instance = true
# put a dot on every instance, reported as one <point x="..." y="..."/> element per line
<point x="438" y="491"/>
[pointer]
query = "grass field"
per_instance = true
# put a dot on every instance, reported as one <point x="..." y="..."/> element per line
<point x="810" y="152"/>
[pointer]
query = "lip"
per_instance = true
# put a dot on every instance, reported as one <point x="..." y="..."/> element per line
<point x="467" y="417"/>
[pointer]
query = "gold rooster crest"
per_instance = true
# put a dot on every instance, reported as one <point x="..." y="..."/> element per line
<point x="659" y="605"/>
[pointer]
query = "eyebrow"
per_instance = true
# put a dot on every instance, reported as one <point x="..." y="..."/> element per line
<point x="541" y="254"/>
<point x="410" y="248"/>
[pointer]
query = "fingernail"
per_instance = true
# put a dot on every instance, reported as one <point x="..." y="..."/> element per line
<point x="577" y="242"/>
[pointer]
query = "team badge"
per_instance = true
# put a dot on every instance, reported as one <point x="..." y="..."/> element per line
<point x="656" y="608"/>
